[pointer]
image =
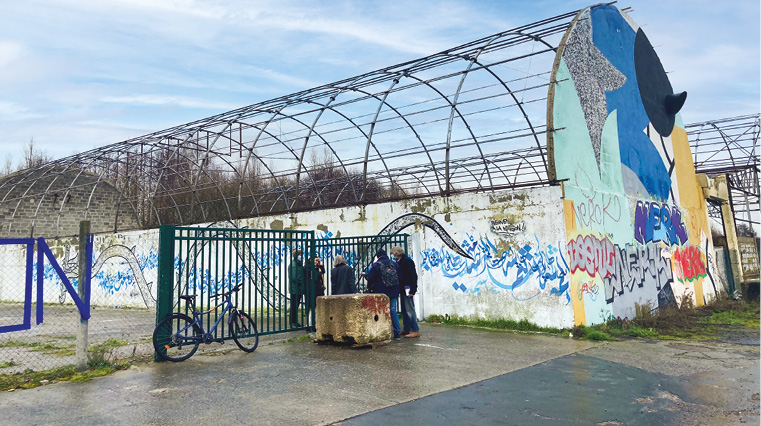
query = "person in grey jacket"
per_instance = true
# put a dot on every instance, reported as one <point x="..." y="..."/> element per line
<point x="342" y="277"/>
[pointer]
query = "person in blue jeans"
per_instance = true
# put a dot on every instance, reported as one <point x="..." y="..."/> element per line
<point x="407" y="279"/>
<point x="383" y="277"/>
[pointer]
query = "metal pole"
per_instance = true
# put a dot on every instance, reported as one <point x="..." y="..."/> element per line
<point x="82" y="290"/>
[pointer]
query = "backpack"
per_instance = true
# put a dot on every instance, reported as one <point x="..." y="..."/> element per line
<point x="388" y="275"/>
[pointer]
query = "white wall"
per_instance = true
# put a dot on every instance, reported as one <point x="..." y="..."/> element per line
<point x="516" y="240"/>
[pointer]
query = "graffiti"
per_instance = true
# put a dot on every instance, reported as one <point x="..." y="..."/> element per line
<point x="656" y="222"/>
<point x="132" y="277"/>
<point x="404" y="221"/>
<point x="494" y="272"/>
<point x="597" y="209"/>
<point x="591" y="290"/>
<point x="689" y="263"/>
<point x="634" y="266"/>
<point x="748" y="257"/>
<point x="504" y="227"/>
<point x="377" y="305"/>
<point x="592" y="255"/>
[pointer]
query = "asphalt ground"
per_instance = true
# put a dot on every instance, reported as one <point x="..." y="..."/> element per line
<point x="451" y="375"/>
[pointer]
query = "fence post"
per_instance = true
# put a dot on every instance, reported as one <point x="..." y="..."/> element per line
<point x="83" y="290"/>
<point x="165" y="288"/>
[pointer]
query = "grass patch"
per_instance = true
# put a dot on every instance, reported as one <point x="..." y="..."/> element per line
<point x="747" y="317"/>
<point x="31" y="379"/>
<point x="497" y="324"/>
<point x="18" y="343"/>
<point x="304" y="337"/>
<point x="101" y="354"/>
<point x="8" y="364"/>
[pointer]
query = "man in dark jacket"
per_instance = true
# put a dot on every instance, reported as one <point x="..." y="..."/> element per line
<point x="381" y="279"/>
<point x="407" y="279"/>
<point x="296" y="285"/>
<point x="342" y="279"/>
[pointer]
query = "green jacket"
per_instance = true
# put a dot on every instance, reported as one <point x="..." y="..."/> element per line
<point x="296" y="283"/>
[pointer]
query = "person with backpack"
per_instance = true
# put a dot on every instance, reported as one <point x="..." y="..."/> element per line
<point x="407" y="280"/>
<point x="383" y="277"/>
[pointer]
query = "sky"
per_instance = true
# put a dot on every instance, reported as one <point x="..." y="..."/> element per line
<point x="76" y="75"/>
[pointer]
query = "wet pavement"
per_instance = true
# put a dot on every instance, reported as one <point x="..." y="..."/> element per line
<point x="451" y="375"/>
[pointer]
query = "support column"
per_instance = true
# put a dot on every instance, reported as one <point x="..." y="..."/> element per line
<point x="83" y="287"/>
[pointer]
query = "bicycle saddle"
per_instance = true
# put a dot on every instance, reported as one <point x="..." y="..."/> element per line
<point x="189" y="297"/>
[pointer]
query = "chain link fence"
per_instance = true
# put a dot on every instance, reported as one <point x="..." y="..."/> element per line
<point x="122" y="297"/>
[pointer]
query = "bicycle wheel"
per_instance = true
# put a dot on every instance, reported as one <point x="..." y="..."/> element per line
<point x="172" y="338"/>
<point x="244" y="332"/>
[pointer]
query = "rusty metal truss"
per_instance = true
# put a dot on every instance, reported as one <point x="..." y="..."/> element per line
<point x="730" y="147"/>
<point x="470" y="118"/>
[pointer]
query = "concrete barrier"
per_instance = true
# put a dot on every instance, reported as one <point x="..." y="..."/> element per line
<point x="353" y="318"/>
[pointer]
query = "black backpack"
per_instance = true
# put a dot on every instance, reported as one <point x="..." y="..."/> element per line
<point x="388" y="275"/>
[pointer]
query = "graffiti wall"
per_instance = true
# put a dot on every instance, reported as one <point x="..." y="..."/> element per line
<point x="125" y="268"/>
<point x="635" y="217"/>
<point x="497" y="255"/>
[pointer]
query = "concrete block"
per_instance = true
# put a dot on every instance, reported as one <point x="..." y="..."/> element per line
<point x="353" y="318"/>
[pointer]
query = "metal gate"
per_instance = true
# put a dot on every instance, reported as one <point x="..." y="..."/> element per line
<point x="208" y="261"/>
<point x="359" y="253"/>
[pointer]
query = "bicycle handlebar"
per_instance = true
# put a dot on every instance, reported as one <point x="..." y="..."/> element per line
<point x="231" y="291"/>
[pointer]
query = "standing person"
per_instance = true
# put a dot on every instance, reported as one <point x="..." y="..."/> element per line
<point x="342" y="280"/>
<point x="315" y="287"/>
<point x="407" y="279"/>
<point x="296" y="285"/>
<point x="384" y="278"/>
<point x="320" y="269"/>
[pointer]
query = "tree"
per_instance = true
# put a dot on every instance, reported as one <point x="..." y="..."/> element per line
<point x="34" y="156"/>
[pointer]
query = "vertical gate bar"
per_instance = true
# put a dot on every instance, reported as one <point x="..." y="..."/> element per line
<point x="179" y="263"/>
<point x="225" y="282"/>
<point x="271" y="272"/>
<point x="166" y="282"/>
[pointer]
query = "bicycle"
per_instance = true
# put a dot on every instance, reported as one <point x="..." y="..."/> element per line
<point x="176" y="337"/>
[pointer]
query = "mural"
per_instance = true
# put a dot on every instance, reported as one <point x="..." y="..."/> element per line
<point x="119" y="275"/>
<point x="635" y="216"/>
<point x="524" y="272"/>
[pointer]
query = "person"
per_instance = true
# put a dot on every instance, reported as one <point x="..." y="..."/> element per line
<point x="320" y="270"/>
<point x="315" y="288"/>
<point x="296" y="285"/>
<point x="383" y="277"/>
<point x="342" y="280"/>
<point x="407" y="279"/>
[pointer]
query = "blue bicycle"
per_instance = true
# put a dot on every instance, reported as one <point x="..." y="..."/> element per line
<point x="176" y="337"/>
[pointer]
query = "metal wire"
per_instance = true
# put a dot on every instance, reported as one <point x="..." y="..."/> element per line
<point x="470" y="118"/>
<point x="730" y="146"/>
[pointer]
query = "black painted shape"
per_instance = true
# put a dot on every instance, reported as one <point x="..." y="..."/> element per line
<point x="654" y="86"/>
<point x="675" y="102"/>
<point x="666" y="297"/>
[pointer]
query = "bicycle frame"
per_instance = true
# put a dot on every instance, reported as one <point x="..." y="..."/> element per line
<point x="197" y="320"/>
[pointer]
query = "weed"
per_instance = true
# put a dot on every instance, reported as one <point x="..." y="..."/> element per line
<point x="498" y="324"/>
<point x="31" y="379"/>
<point x="598" y="335"/>
<point x="8" y="364"/>
<point x="304" y="337"/>
<point x="100" y="355"/>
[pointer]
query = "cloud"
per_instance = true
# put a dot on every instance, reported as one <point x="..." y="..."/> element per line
<point x="14" y="111"/>
<point x="167" y="100"/>
<point x="10" y="51"/>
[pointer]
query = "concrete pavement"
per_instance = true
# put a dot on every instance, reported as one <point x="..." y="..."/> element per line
<point x="542" y="378"/>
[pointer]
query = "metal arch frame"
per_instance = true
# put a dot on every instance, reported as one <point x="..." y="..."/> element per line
<point x="139" y="177"/>
<point x="403" y="118"/>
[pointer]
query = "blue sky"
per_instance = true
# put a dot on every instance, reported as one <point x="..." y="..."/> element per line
<point x="81" y="74"/>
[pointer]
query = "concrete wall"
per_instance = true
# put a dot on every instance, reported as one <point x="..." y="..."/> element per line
<point x="69" y="197"/>
<point x="515" y="240"/>
<point x="636" y="219"/>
